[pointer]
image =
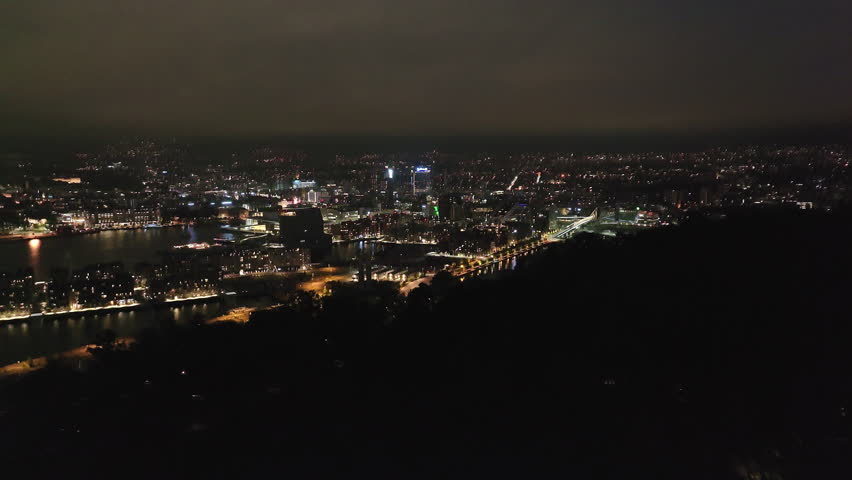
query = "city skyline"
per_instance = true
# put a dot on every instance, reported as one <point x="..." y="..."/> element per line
<point x="426" y="239"/>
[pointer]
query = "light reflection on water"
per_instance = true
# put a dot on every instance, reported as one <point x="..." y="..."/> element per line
<point x="76" y="251"/>
<point x="135" y="246"/>
<point x="48" y="335"/>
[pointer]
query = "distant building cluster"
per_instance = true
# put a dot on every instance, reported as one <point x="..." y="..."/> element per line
<point x="108" y="219"/>
<point x="185" y="272"/>
<point x="460" y="205"/>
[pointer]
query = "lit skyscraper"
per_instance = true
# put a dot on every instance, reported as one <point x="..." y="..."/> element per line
<point x="421" y="180"/>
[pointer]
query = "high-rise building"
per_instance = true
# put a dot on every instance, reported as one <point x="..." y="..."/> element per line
<point x="303" y="228"/>
<point x="421" y="180"/>
<point x="300" y="184"/>
<point x="389" y="188"/>
<point x="678" y="198"/>
<point x="312" y="196"/>
<point x="705" y="196"/>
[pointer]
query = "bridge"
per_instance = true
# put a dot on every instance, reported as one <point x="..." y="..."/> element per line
<point x="569" y="230"/>
<point x="495" y="260"/>
<point x="250" y="237"/>
<point x="500" y="259"/>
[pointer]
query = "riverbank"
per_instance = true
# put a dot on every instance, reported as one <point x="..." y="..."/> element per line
<point x="35" y="364"/>
<point x="109" y="308"/>
<point x="355" y="240"/>
<point x="37" y="336"/>
<point x="27" y="237"/>
<point x="51" y="234"/>
<point x="237" y="315"/>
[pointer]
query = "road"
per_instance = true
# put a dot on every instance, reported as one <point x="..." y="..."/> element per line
<point x="321" y="276"/>
<point x="410" y="286"/>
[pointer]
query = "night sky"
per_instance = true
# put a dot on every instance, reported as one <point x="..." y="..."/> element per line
<point x="258" y="67"/>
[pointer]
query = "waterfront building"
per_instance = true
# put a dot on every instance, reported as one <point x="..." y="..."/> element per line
<point x="303" y="228"/>
<point x="16" y="292"/>
<point x="121" y="218"/>
<point x="101" y="285"/>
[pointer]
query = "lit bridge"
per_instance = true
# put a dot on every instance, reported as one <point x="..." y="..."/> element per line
<point x="500" y="260"/>
<point x="569" y="230"/>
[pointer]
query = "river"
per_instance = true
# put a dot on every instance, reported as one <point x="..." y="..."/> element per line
<point x="48" y="335"/>
<point x="145" y="245"/>
<point x="77" y="251"/>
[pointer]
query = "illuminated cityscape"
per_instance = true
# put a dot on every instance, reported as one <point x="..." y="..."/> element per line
<point x="463" y="206"/>
<point x="426" y="239"/>
<point x="268" y="232"/>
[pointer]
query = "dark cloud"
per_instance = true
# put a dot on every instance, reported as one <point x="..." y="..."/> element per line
<point x="412" y="66"/>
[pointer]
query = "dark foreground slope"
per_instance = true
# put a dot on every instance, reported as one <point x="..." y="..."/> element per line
<point x="715" y="350"/>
